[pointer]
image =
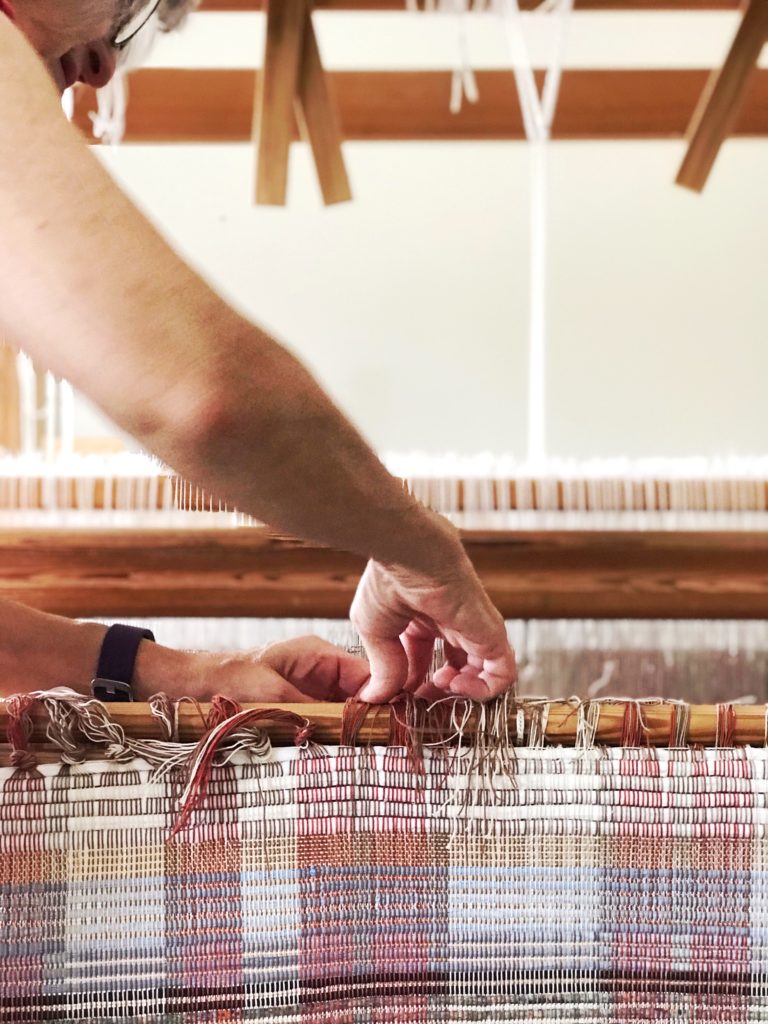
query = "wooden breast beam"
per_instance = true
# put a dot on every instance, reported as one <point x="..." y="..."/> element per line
<point x="718" y="107"/>
<point x="615" y="723"/>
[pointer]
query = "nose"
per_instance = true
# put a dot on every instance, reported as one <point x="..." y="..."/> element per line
<point x="97" y="63"/>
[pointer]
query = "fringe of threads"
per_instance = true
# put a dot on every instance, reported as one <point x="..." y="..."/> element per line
<point x="476" y="742"/>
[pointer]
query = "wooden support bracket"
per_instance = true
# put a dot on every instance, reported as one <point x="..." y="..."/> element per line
<point x="718" y="107"/>
<point x="294" y="88"/>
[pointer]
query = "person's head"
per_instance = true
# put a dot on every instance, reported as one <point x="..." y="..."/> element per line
<point x="81" y="40"/>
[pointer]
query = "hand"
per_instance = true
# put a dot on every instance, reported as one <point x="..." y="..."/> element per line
<point x="399" y="614"/>
<point x="286" y="672"/>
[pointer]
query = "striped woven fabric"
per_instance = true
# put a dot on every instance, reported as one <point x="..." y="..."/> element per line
<point x="341" y="885"/>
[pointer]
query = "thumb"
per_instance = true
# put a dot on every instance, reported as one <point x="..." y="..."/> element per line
<point x="389" y="669"/>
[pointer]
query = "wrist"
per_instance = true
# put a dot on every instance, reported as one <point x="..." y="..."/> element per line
<point x="161" y="669"/>
<point x="427" y="544"/>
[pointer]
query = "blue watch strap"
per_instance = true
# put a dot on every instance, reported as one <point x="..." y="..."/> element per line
<point x="117" y="659"/>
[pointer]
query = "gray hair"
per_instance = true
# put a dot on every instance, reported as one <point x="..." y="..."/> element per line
<point x="172" y="13"/>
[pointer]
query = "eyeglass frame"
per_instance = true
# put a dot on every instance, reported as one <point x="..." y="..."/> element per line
<point x="120" y="44"/>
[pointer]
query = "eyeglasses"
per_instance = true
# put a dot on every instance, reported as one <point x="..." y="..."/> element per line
<point x="134" y="25"/>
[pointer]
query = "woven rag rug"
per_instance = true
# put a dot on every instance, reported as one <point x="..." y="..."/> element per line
<point x="349" y="885"/>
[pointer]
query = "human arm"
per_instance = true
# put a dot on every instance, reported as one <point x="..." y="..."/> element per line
<point x="92" y="292"/>
<point x="39" y="651"/>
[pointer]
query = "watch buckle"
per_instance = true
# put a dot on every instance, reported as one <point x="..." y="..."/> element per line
<point x="111" y="690"/>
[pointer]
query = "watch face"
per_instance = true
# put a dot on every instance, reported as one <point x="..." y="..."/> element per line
<point x="111" y="690"/>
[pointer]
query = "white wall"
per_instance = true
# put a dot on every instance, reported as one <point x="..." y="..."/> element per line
<point x="411" y="303"/>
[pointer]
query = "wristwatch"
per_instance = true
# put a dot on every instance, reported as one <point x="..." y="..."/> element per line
<point x="117" y="659"/>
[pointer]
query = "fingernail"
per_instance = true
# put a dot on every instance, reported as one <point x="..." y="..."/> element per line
<point x="367" y="693"/>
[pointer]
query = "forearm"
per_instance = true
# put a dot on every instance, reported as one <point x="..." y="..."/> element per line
<point x="93" y="293"/>
<point x="40" y="651"/>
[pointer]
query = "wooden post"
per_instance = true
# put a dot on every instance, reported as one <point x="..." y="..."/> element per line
<point x="276" y="88"/>
<point x="719" y="104"/>
<point x="10" y="427"/>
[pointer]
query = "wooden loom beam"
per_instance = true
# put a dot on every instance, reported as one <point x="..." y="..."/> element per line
<point x="718" y="108"/>
<point x="252" y="572"/>
<point x="180" y="105"/>
<point x="747" y="723"/>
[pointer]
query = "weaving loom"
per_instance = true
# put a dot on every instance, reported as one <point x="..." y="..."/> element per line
<point x="583" y="860"/>
<point x="483" y="876"/>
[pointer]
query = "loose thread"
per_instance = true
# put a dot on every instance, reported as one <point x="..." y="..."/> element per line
<point x="725" y="731"/>
<point x="407" y="724"/>
<point x="164" y="709"/>
<point x="537" y="730"/>
<point x="632" y="731"/>
<point x="222" y="709"/>
<point x="207" y="749"/>
<point x="679" y="724"/>
<point x="352" y="718"/>
<point x="19" y="730"/>
<point x="587" y="722"/>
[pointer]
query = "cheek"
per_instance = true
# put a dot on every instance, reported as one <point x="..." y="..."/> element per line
<point x="55" y="26"/>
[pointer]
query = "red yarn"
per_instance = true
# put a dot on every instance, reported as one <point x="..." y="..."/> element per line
<point x="222" y="708"/>
<point x="19" y="728"/>
<point x="210" y="743"/>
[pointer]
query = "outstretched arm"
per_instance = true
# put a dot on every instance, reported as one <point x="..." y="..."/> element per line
<point x="92" y="292"/>
<point x="40" y="651"/>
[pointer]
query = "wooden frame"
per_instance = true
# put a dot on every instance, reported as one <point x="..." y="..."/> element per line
<point x="252" y="572"/>
<point x="169" y="105"/>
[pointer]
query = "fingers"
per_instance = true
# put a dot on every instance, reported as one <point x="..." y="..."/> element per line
<point x="419" y="644"/>
<point x="477" y="678"/>
<point x="317" y="668"/>
<point x="389" y="669"/>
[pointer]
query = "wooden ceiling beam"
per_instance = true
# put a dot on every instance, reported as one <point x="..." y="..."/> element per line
<point x="399" y="5"/>
<point x="169" y="105"/>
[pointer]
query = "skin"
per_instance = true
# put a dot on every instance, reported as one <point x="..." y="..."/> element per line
<point x="71" y="38"/>
<point x="93" y="293"/>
